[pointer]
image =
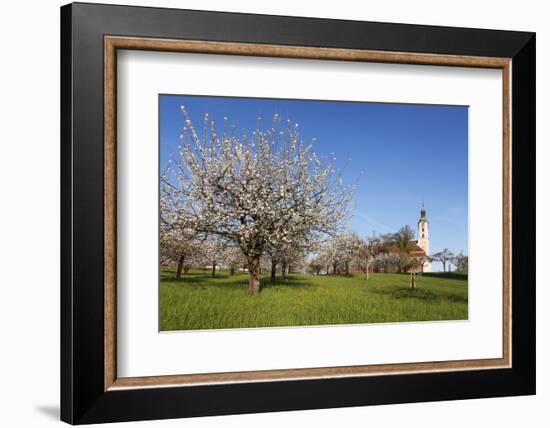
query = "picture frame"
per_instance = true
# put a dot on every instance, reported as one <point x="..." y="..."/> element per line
<point x="91" y="391"/>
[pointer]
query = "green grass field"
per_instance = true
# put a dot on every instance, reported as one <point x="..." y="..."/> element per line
<point x="200" y="301"/>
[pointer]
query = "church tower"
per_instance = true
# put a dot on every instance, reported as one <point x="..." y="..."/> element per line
<point x="424" y="237"/>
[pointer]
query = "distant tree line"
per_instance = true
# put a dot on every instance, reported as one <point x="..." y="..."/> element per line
<point x="349" y="252"/>
<point x="386" y="253"/>
<point x="447" y="259"/>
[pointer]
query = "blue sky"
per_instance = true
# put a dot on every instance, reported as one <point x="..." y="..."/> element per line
<point x="399" y="155"/>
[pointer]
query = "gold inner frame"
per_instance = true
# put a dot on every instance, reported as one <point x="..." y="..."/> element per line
<point x="112" y="43"/>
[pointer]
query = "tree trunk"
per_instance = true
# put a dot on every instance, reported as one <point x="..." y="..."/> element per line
<point x="347" y="268"/>
<point x="214" y="268"/>
<point x="413" y="280"/>
<point x="180" y="267"/>
<point x="444" y="267"/>
<point x="273" y="270"/>
<point x="254" y="275"/>
<point x="283" y="269"/>
<point x="232" y="270"/>
<point x="367" y="270"/>
<point x="334" y="268"/>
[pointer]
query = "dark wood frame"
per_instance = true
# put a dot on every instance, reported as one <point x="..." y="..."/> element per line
<point x="114" y="43"/>
<point x="90" y="35"/>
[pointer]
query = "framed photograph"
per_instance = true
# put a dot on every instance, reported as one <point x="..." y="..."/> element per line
<point x="266" y="213"/>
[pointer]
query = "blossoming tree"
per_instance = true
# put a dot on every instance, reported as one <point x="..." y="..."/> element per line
<point x="179" y="245"/>
<point x="254" y="191"/>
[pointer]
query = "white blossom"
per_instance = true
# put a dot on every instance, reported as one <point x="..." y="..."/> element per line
<point x="259" y="192"/>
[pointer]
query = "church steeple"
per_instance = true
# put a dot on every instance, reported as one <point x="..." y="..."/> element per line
<point x="423" y="214"/>
<point x="424" y="237"/>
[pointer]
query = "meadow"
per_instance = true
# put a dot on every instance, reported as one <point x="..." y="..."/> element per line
<point x="200" y="301"/>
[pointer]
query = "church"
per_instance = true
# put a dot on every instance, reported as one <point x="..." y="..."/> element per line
<point x="420" y="248"/>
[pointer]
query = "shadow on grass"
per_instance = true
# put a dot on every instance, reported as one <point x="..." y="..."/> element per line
<point x="421" y="294"/>
<point x="199" y="277"/>
<point x="199" y="280"/>
<point x="203" y="281"/>
<point x="288" y="282"/>
<point x="447" y="275"/>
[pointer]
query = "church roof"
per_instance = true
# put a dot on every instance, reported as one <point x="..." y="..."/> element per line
<point x="416" y="250"/>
